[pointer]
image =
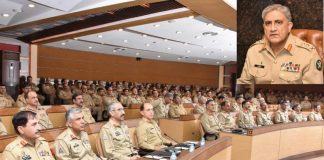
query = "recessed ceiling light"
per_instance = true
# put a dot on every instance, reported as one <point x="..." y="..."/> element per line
<point x="156" y="25"/>
<point x="137" y="53"/>
<point x="204" y="47"/>
<point x="114" y="51"/>
<point x="90" y="47"/>
<point x="125" y="41"/>
<point x="159" y="56"/>
<point x="63" y="43"/>
<point x="217" y="62"/>
<point x="197" y="37"/>
<point x="188" y="51"/>
<point x="5" y="15"/>
<point x="191" y="17"/>
<point x="209" y="24"/>
<point x="169" y="48"/>
<point x="178" y="32"/>
<point x="198" y="60"/>
<point x="120" y="29"/>
<point x="31" y="5"/>
<point x="225" y="56"/>
<point x="147" y="44"/>
<point x="178" y="58"/>
<point x="207" y="54"/>
<point x="165" y="40"/>
<point x="144" y="35"/>
<point x="99" y="36"/>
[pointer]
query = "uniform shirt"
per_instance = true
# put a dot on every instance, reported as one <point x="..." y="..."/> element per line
<point x="176" y="110"/>
<point x="226" y="120"/>
<point x="43" y="119"/>
<point x="3" y="130"/>
<point x="87" y="100"/>
<point x="236" y="107"/>
<point x="98" y="101"/>
<point x="68" y="146"/>
<point x="210" y="123"/>
<point x="21" y="101"/>
<point x="281" y="117"/>
<point x="134" y="100"/>
<point x="123" y="100"/>
<point x="315" y="116"/>
<point x="65" y="95"/>
<point x="199" y="109"/>
<point x="160" y="109"/>
<point x="297" y="63"/>
<point x="186" y="99"/>
<point x="263" y="118"/>
<point x="149" y="135"/>
<point x="115" y="141"/>
<point x="297" y="117"/>
<point x="6" y="101"/>
<point x="305" y="105"/>
<point x="19" y="149"/>
<point x="246" y="120"/>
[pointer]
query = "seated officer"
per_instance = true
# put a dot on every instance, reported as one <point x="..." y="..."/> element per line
<point x="263" y="116"/>
<point x="32" y="105"/>
<point x="316" y="114"/>
<point x="5" y="99"/>
<point x="73" y="143"/>
<point x="245" y="117"/>
<point x="3" y="130"/>
<point x="21" y="100"/>
<point x="225" y="117"/>
<point x="77" y="99"/>
<point x="28" y="145"/>
<point x="177" y="109"/>
<point x="148" y="132"/>
<point x="209" y="121"/>
<point x="281" y="116"/>
<point x="114" y="136"/>
<point x="200" y="108"/>
<point x="297" y="115"/>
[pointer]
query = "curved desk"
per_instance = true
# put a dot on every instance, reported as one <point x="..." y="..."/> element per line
<point x="280" y="141"/>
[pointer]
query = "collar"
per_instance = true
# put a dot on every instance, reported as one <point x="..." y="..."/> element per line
<point x="288" y="48"/>
<point x="72" y="135"/>
<point x="24" y="143"/>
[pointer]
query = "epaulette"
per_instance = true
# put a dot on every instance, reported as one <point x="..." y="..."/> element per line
<point x="305" y="45"/>
<point x="12" y="146"/>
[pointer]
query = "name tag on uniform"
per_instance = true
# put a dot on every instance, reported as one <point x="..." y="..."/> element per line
<point x="290" y="67"/>
<point x="259" y="66"/>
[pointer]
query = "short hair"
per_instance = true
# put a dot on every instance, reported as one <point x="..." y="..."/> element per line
<point x="208" y="101"/>
<point x="75" y="95"/>
<point x="112" y="106"/>
<point x="21" y="119"/>
<point x="26" y="95"/>
<point x="170" y="95"/>
<point x="277" y="7"/>
<point x="69" y="114"/>
<point x="99" y="89"/>
<point x="295" y="105"/>
<point x="244" y="102"/>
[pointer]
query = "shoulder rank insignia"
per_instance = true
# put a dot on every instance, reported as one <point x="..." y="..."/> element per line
<point x="290" y="67"/>
<point x="319" y="65"/>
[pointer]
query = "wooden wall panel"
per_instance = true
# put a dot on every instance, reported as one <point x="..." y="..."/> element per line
<point x="71" y="64"/>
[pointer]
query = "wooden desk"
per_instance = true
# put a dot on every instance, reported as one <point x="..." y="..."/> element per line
<point x="213" y="150"/>
<point x="278" y="141"/>
<point x="132" y="113"/>
<point x="180" y="130"/>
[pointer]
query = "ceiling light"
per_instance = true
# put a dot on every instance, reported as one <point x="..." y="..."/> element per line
<point x="147" y="44"/>
<point x="209" y="24"/>
<point x="99" y="36"/>
<point x="178" y="58"/>
<point x="90" y="47"/>
<point x="204" y="47"/>
<point x="137" y="53"/>
<point x="225" y="56"/>
<point x="198" y="60"/>
<point x="120" y="29"/>
<point x="165" y="40"/>
<point x="159" y="56"/>
<point x="191" y="17"/>
<point x="144" y="35"/>
<point x="114" y="51"/>
<point x="63" y="43"/>
<point x="178" y="32"/>
<point x="207" y="54"/>
<point x="197" y="37"/>
<point x="188" y="51"/>
<point x="217" y="62"/>
<point x="31" y="5"/>
<point x="169" y="48"/>
<point x="5" y="15"/>
<point x="156" y="25"/>
<point x="125" y="41"/>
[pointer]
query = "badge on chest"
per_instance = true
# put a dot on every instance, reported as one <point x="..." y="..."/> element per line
<point x="290" y="67"/>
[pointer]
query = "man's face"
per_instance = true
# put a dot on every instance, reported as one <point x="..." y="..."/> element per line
<point x="247" y="105"/>
<point x="78" y="101"/>
<point x="118" y="113"/>
<point x="284" y="106"/>
<point x="101" y="92"/>
<point x="84" y="89"/>
<point x="31" y="130"/>
<point x="227" y="107"/>
<point x="29" y="80"/>
<point x="148" y="112"/>
<point x="77" y="123"/>
<point x="317" y="108"/>
<point x="27" y="89"/>
<point x="276" y="27"/>
<point x="155" y="94"/>
<point x="298" y="108"/>
<point x="126" y="92"/>
<point x="110" y="91"/>
<point x="134" y="91"/>
<point x="264" y="107"/>
<point x="32" y="99"/>
<point x="211" y="106"/>
<point x="3" y="90"/>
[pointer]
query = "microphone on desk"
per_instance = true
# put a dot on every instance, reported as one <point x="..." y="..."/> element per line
<point x="170" y="138"/>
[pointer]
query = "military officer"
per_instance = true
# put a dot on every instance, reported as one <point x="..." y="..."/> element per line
<point x="305" y="104"/>
<point x="187" y="97"/>
<point x="5" y="99"/>
<point x="98" y="101"/>
<point x="316" y="114"/>
<point x="65" y="93"/>
<point x="32" y="105"/>
<point x="263" y="116"/>
<point x="281" y="116"/>
<point x="225" y="117"/>
<point x="160" y="109"/>
<point x="28" y="145"/>
<point x="87" y="99"/>
<point x="73" y="142"/>
<point x="124" y="97"/>
<point x="21" y="101"/>
<point x="114" y="136"/>
<point x="245" y="117"/>
<point x="77" y="99"/>
<point x="297" y="115"/>
<point x="176" y="109"/>
<point x="280" y="57"/>
<point x="237" y="106"/>
<point x="200" y="107"/>
<point x="148" y="133"/>
<point x="209" y="121"/>
<point x="109" y="98"/>
<point x="134" y="98"/>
